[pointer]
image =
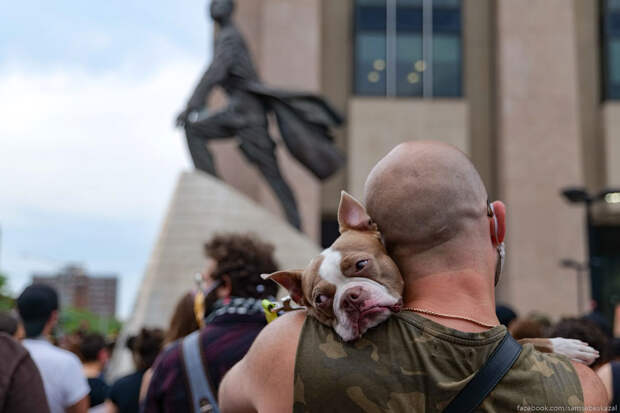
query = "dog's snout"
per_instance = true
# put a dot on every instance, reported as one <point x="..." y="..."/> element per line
<point x="353" y="297"/>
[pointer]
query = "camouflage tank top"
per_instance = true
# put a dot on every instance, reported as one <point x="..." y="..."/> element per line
<point x="412" y="364"/>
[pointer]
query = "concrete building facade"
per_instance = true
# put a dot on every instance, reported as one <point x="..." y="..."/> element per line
<point x="526" y="88"/>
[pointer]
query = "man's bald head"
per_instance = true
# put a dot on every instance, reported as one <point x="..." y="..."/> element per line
<point x="423" y="194"/>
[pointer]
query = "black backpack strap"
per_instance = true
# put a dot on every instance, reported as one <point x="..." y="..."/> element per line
<point x="485" y="380"/>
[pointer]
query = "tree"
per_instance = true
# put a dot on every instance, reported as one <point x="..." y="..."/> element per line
<point x="74" y="319"/>
<point x="7" y="301"/>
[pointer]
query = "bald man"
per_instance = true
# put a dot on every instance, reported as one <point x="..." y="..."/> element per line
<point x="431" y="206"/>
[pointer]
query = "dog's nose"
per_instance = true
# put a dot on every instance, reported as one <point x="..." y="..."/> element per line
<point x="353" y="297"/>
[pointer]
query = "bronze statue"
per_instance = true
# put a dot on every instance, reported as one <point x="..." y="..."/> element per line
<point x="303" y="119"/>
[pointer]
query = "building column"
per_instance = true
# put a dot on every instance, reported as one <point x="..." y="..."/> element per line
<point x="539" y="152"/>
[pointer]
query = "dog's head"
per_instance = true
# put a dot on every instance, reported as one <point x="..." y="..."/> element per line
<point x="353" y="285"/>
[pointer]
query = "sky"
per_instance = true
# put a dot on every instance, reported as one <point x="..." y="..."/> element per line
<point x="88" y="153"/>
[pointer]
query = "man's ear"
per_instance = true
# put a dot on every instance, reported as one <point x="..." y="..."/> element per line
<point x="225" y="288"/>
<point x="353" y="215"/>
<point x="53" y="320"/>
<point x="291" y="280"/>
<point x="498" y="225"/>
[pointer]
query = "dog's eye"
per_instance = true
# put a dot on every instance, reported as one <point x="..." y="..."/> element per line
<point x="360" y="264"/>
<point x="321" y="299"/>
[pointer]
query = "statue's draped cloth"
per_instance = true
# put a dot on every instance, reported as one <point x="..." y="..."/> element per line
<point x="304" y="120"/>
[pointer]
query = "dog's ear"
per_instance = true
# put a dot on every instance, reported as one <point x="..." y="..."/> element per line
<point x="353" y="215"/>
<point x="291" y="280"/>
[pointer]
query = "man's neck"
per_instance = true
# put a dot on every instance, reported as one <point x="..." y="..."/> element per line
<point x="459" y="293"/>
<point x="92" y="369"/>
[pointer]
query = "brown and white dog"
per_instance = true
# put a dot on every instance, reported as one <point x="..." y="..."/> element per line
<point x="354" y="285"/>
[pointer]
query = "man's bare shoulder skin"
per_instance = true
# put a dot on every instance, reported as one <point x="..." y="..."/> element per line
<point x="606" y="375"/>
<point x="263" y="380"/>
<point x="594" y="392"/>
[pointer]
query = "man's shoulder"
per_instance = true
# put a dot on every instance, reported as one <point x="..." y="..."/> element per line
<point x="276" y="345"/>
<point x="52" y="354"/>
<point x="277" y="339"/>
<point x="11" y="353"/>
<point x="9" y="347"/>
<point x="549" y="365"/>
<point x="64" y="356"/>
<point x="266" y="371"/>
<point x="557" y="377"/>
<point x="170" y="357"/>
<point x="285" y="330"/>
<point x="594" y="392"/>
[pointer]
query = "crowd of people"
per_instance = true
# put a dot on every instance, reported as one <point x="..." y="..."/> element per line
<point x="219" y="352"/>
<point x="226" y="310"/>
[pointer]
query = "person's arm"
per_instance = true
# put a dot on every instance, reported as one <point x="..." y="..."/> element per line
<point x="26" y="392"/>
<point x="144" y="386"/>
<point x="110" y="407"/>
<point x="79" y="407"/>
<point x="263" y="380"/>
<point x="594" y="393"/>
<point x="604" y="372"/>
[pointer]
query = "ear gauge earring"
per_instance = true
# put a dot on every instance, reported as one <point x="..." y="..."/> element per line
<point x="501" y="248"/>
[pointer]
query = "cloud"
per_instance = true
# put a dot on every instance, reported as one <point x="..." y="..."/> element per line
<point x="105" y="144"/>
<point x="99" y="147"/>
<point x="101" y="36"/>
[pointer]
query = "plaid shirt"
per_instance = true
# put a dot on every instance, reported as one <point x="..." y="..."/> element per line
<point x="228" y="335"/>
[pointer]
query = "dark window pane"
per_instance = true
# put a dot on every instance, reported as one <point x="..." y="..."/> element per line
<point x="410" y="66"/>
<point x="446" y="65"/>
<point x="370" y="65"/>
<point x="408" y="18"/>
<point x="612" y="23"/>
<point x="370" y="58"/>
<point x="613" y="4"/>
<point x="370" y="15"/>
<point x="614" y="60"/>
<point x="446" y="20"/>
<point x="613" y="68"/>
<point x="447" y="3"/>
<point x="611" y="49"/>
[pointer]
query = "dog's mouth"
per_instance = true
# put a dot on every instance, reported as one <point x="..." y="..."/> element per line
<point x="362" y="306"/>
<point x="369" y="317"/>
<point x="377" y="309"/>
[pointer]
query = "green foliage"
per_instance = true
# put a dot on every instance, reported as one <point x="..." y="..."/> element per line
<point x="73" y="319"/>
<point x="6" y="299"/>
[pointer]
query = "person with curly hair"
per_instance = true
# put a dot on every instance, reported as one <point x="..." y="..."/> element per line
<point x="231" y="316"/>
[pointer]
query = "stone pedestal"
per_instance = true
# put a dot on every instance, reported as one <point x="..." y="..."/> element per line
<point x="201" y="206"/>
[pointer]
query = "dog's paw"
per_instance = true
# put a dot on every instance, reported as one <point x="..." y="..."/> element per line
<point x="575" y="350"/>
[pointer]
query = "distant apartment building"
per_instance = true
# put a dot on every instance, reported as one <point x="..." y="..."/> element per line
<point x="93" y="292"/>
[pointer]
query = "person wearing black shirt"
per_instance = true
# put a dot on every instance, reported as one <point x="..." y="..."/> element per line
<point x="124" y="396"/>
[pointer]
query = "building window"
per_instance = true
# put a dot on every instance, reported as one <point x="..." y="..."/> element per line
<point x="611" y="48"/>
<point x="408" y="48"/>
